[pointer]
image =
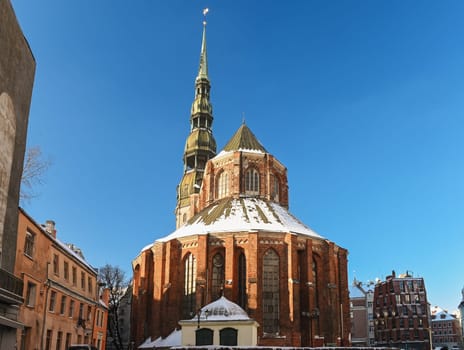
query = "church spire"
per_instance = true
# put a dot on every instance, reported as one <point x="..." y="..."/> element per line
<point x="203" y="70"/>
<point x="200" y="145"/>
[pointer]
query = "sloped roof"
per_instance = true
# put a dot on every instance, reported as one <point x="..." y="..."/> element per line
<point x="242" y="215"/>
<point x="222" y="309"/>
<point x="173" y="339"/>
<point x="243" y="140"/>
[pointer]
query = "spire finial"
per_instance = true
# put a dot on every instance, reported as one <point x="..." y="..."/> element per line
<point x="243" y="118"/>
<point x="203" y="71"/>
<point x="205" y="11"/>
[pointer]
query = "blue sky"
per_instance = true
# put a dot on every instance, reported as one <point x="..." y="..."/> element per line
<point x="361" y="100"/>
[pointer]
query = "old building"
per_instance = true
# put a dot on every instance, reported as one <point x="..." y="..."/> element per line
<point x="362" y="313"/>
<point x="17" y="68"/>
<point x="401" y="313"/>
<point x="461" y="314"/>
<point x="446" y="329"/>
<point x="62" y="303"/>
<point x="235" y="237"/>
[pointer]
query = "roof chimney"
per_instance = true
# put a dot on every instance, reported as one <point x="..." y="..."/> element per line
<point x="50" y="227"/>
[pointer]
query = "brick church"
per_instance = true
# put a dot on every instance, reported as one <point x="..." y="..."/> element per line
<point x="236" y="238"/>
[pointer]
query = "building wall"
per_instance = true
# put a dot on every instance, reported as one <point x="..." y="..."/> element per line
<point x="158" y="309"/>
<point x="401" y="313"/>
<point x="17" y="69"/>
<point x="446" y="333"/>
<point x="61" y="294"/>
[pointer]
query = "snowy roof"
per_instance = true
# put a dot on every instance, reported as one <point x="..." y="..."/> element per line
<point x="173" y="339"/>
<point x="438" y="314"/>
<point x="222" y="310"/>
<point x="239" y="215"/>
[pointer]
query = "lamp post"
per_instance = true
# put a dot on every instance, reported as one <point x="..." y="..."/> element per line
<point x="206" y="312"/>
<point x="311" y="315"/>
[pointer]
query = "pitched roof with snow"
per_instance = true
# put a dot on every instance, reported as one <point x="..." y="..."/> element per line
<point x="222" y="309"/>
<point x="242" y="215"/>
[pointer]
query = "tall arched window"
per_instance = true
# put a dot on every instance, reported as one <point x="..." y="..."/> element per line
<point x="314" y="271"/>
<point x="252" y="181"/>
<point x="275" y="188"/>
<point x="271" y="292"/>
<point x="190" y="275"/>
<point x="223" y="185"/>
<point x="242" y="296"/>
<point x="217" y="283"/>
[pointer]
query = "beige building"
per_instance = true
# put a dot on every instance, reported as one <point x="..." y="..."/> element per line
<point x="221" y="322"/>
<point x="62" y="304"/>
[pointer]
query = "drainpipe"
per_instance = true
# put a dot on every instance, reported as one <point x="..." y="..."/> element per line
<point x="47" y="288"/>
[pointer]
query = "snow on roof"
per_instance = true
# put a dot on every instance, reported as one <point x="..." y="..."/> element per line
<point x="242" y="214"/>
<point x="73" y="253"/>
<point x="441" y="315"/>
<point x="173" y="339"/>
<point x="148" y="246"/>
<point x="222" y="310"/>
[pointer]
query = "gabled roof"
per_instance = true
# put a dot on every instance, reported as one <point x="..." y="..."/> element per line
<point x="244" y="140"/>
<point x="241" y="215"/>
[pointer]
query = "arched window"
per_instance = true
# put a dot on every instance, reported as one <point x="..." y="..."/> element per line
<point x="275" y="188"/>
<point x="136" y="279"/>
<point x="217" y="283"/>
<point x="204" y="336"/>
<point x="223" y="185"/>
<point x="252" y="181"/>
<point x="190" y="274"/>
<point x="242" y="296"/>
<point x="314" y="272"/>
<point x="271" y="292"/>
<point x="228" y="336"/>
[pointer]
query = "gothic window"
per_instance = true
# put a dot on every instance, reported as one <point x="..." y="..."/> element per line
<point x="242" y="297"/>
<point x="29" y="244"/>
<point x="314" y="272"/>
<point x="275" y="189"/>
<point x="217" y="282"/>
<point x="271" y="292"/>
<point x="223" y="185"/>
<point x="190" y="274"/>
<point x="252" y="181"/>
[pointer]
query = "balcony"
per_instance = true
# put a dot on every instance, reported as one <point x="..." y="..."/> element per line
<point x="11" y="288"/>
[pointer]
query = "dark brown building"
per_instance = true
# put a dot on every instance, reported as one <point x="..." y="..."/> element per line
<point x="235" y="236"/>
<point x="17" y="68"/>
<point x="401" y="313"/>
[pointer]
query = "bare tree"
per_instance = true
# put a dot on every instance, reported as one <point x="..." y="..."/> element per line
<point x="34" y="169"/>
<point x="115" y="280"/>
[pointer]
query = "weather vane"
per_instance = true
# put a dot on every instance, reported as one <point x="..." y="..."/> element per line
<point x="205" y="11"/>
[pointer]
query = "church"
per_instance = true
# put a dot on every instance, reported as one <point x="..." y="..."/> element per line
<point x="235" y="238"/>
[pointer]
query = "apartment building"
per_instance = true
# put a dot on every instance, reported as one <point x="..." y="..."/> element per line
<point x="401" y="313"/>
<point x="446" y="329"/>
<point x="62" y="303"/>
<point x="361" y="312"/>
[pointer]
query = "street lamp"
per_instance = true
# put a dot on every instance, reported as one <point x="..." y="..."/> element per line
<point x="206" y="312"/>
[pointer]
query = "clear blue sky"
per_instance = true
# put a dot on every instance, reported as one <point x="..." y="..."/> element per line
<point x="361" y="100"/>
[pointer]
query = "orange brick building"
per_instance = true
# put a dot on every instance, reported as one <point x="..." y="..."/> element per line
<point x="235" y="237"/>
<point x="62" y="303"/>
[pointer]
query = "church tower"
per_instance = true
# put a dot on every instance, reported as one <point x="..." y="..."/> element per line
<point x="200" y="145"/>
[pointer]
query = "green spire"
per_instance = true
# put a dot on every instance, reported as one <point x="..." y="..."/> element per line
<point x="203" y="70"/>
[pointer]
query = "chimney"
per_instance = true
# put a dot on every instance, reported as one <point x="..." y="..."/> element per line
<point x="50" y="227"/>
<point x="105" y="297"/>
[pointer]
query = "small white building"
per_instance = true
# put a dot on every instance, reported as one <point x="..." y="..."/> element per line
<point x="220" y="323"/>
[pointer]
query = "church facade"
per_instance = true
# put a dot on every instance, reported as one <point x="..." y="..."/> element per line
<point x="236" y="238"/>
